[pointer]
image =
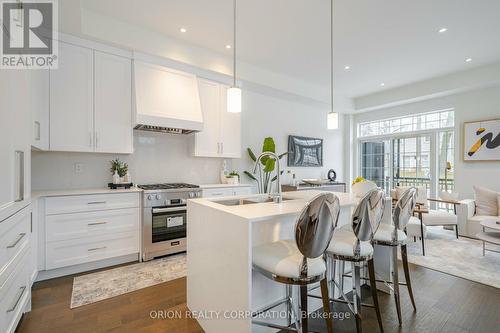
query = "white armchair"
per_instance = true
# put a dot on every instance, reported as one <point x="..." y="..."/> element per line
<point x="469" y="223"/>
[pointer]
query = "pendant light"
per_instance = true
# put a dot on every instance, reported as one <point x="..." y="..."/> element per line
<point x="333" y="117"/>
<point x="234" y="93"/>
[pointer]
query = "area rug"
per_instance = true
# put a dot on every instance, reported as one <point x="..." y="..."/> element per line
<point x="461" y="257"/>
<point x="102" y="285"/>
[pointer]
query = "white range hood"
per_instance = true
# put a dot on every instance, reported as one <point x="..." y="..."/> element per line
<point x="166" y="100"/>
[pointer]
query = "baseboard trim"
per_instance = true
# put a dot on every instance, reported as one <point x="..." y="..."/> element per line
<point x="59" y="272"/>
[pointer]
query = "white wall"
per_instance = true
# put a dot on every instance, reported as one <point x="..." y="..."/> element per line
<point x="469" y="106"/>
<point x="167" y="158"/>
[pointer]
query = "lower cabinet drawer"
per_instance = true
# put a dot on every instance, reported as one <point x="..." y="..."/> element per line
<point x="14" y="295"/>
<point x="14" y="236"/>
<point x="83" y="250"/>
<point x="219" y="192"/>
<point x="90" y="203"/>
<point x="82" y="225"/>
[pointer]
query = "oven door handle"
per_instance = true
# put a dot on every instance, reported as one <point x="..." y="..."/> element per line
<point x="166" y="210"/>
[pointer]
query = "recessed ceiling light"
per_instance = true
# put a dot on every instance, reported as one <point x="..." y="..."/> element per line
<point x="183" y="30"/>
<point x="228" y="46"/>
<point x="468" y="60"/>
<point x="382" y="84"/>
<point x="443" y="30"/>
<point x="347" y="68"/>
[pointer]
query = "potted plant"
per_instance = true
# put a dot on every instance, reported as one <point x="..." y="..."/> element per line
<point x="265" y="170"/>
<point x="233" y="177"/>
<point x="118" y="167"/>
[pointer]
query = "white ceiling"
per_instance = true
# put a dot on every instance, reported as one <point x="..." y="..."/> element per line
<point x="390" y="41"/>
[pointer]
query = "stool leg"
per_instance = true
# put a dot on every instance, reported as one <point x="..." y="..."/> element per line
<point x="288" y="305"/>
<point x="373" y="287"/>
<point x="456" y="230"/>
<point x="395" y="281"/>
<point x="341" y="276"/>
<point x="303" y="309"/>
<point x="333" y="271"/>
<point x="404" y="257"/>
<point x="356" y="284"/>
<point x="326" y="304"/>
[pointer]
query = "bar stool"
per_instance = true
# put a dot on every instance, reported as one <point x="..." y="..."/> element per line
<point x="354" y="245"/>
<point x="300" y="262"/>
<point x="394" y="236"/>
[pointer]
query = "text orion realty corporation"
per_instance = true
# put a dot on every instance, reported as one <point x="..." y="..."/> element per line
<point x="29" y="34"/>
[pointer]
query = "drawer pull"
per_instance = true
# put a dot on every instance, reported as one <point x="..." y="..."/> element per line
<point x="22" y="289"/>
<point x="97" y="223"/>
<point x="97" y="248"/>
<point x="13" y="245"/>
<point x="96" y="203"/>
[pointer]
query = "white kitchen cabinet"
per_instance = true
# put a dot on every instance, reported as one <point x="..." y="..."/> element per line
<point x="220" y="190"/>
<point x="85" y="229"/>
<point x="208" y="141"/>
<point x="40" y="109"/>
<point x="71" y="100"/>
<point x="221" y="134"/>
<point x="113" y="104"/>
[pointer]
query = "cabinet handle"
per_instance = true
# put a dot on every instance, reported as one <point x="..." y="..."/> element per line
<point x="97" y="223"/>
<point x="19" y="175"/>
<point x="13" y="245"/>
<point x="222" y="147"/>
<point x="14" y="306"/>
<point x="96" y="139"/>
<point x="90" y="139"/>
<point x="96" y="203"/>
<point x="37" y="130"/>
<point x="97" y="248"/>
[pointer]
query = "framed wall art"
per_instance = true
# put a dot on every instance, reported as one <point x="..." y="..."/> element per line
<point x="305" y="152"/>
<point x="481" y="140"/>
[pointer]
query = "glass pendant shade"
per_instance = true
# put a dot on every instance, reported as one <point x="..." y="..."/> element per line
<point x="234" y="100"/>
<point x="333" y="120"/>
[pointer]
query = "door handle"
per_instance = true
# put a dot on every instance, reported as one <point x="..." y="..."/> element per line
<point x="96" y="203"/>
<point x="37" y="130"/>
<point x="97" y="223"/>
<point x="97" y="248"/>
<point x="19" y="175"/>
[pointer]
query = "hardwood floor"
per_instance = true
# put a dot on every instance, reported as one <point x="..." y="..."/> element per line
<point x="444" y="304"/>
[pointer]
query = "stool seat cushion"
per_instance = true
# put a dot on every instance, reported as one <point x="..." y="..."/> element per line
<point x="343" y="244"/>
<point x="413" y="228"/>
<point x="284" y="259"/>
<point x="385" y="232"/>
<point x="439" y="217"/>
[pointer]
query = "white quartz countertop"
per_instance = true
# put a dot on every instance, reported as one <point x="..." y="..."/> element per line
<point x="263" y="211"/>
<point x="70" y="192"/>
<point x="207" y="186"/>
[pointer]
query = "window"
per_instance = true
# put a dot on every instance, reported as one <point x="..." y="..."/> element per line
<point x="416" y="150"/>
<point x="413" y="123"/>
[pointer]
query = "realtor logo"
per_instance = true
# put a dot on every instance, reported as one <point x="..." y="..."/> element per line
<point x="29" y="37"/>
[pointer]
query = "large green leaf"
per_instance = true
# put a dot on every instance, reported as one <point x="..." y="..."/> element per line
<point x="251" y="154"/>
<point x="270" y="163"/>
<point x="269" y="146"/>
<point x="282" y="155"/>
<point x="250" y="175"/>
<point x="276" y="177"/>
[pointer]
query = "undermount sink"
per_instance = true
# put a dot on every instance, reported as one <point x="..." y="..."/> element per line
<point x="246" y="201"/>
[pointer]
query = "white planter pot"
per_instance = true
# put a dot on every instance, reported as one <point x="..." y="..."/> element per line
<point x="361" y="188"/>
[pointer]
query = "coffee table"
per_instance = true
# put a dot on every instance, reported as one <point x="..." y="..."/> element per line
<point x="490" y="233"/>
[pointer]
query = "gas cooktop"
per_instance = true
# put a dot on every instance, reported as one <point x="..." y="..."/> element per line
<point x="167" y="186"/>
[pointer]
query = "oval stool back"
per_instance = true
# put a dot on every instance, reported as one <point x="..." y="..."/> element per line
<point x="404" y="208"/>
<point x="315" y="225"/>
<point x="368" y="214"/>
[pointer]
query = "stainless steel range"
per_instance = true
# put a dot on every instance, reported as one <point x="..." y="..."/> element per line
<point x="164" y="218"/>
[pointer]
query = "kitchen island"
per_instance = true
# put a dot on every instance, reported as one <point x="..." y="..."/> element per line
<point x="222" y="289"/>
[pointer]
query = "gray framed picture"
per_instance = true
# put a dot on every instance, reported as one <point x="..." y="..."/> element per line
<point x="304" y="151"/>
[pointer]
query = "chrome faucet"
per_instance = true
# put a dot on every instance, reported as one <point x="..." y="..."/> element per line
<point x="277" y="197"/>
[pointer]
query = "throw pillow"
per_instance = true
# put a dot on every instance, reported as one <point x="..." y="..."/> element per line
<point x="486" y="201"/>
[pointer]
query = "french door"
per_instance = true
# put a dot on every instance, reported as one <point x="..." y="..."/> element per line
<point x="400" y="161"/>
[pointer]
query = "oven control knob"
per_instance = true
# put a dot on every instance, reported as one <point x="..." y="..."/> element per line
<point x="158" y="197"/>
<point x="150" y="197"/>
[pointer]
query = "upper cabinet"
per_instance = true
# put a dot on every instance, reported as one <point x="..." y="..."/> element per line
<point x="221" y="134"/>
<point x="90" y="101"/>
<point x="113" y="104"/>
<point x="71" y="100"/>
